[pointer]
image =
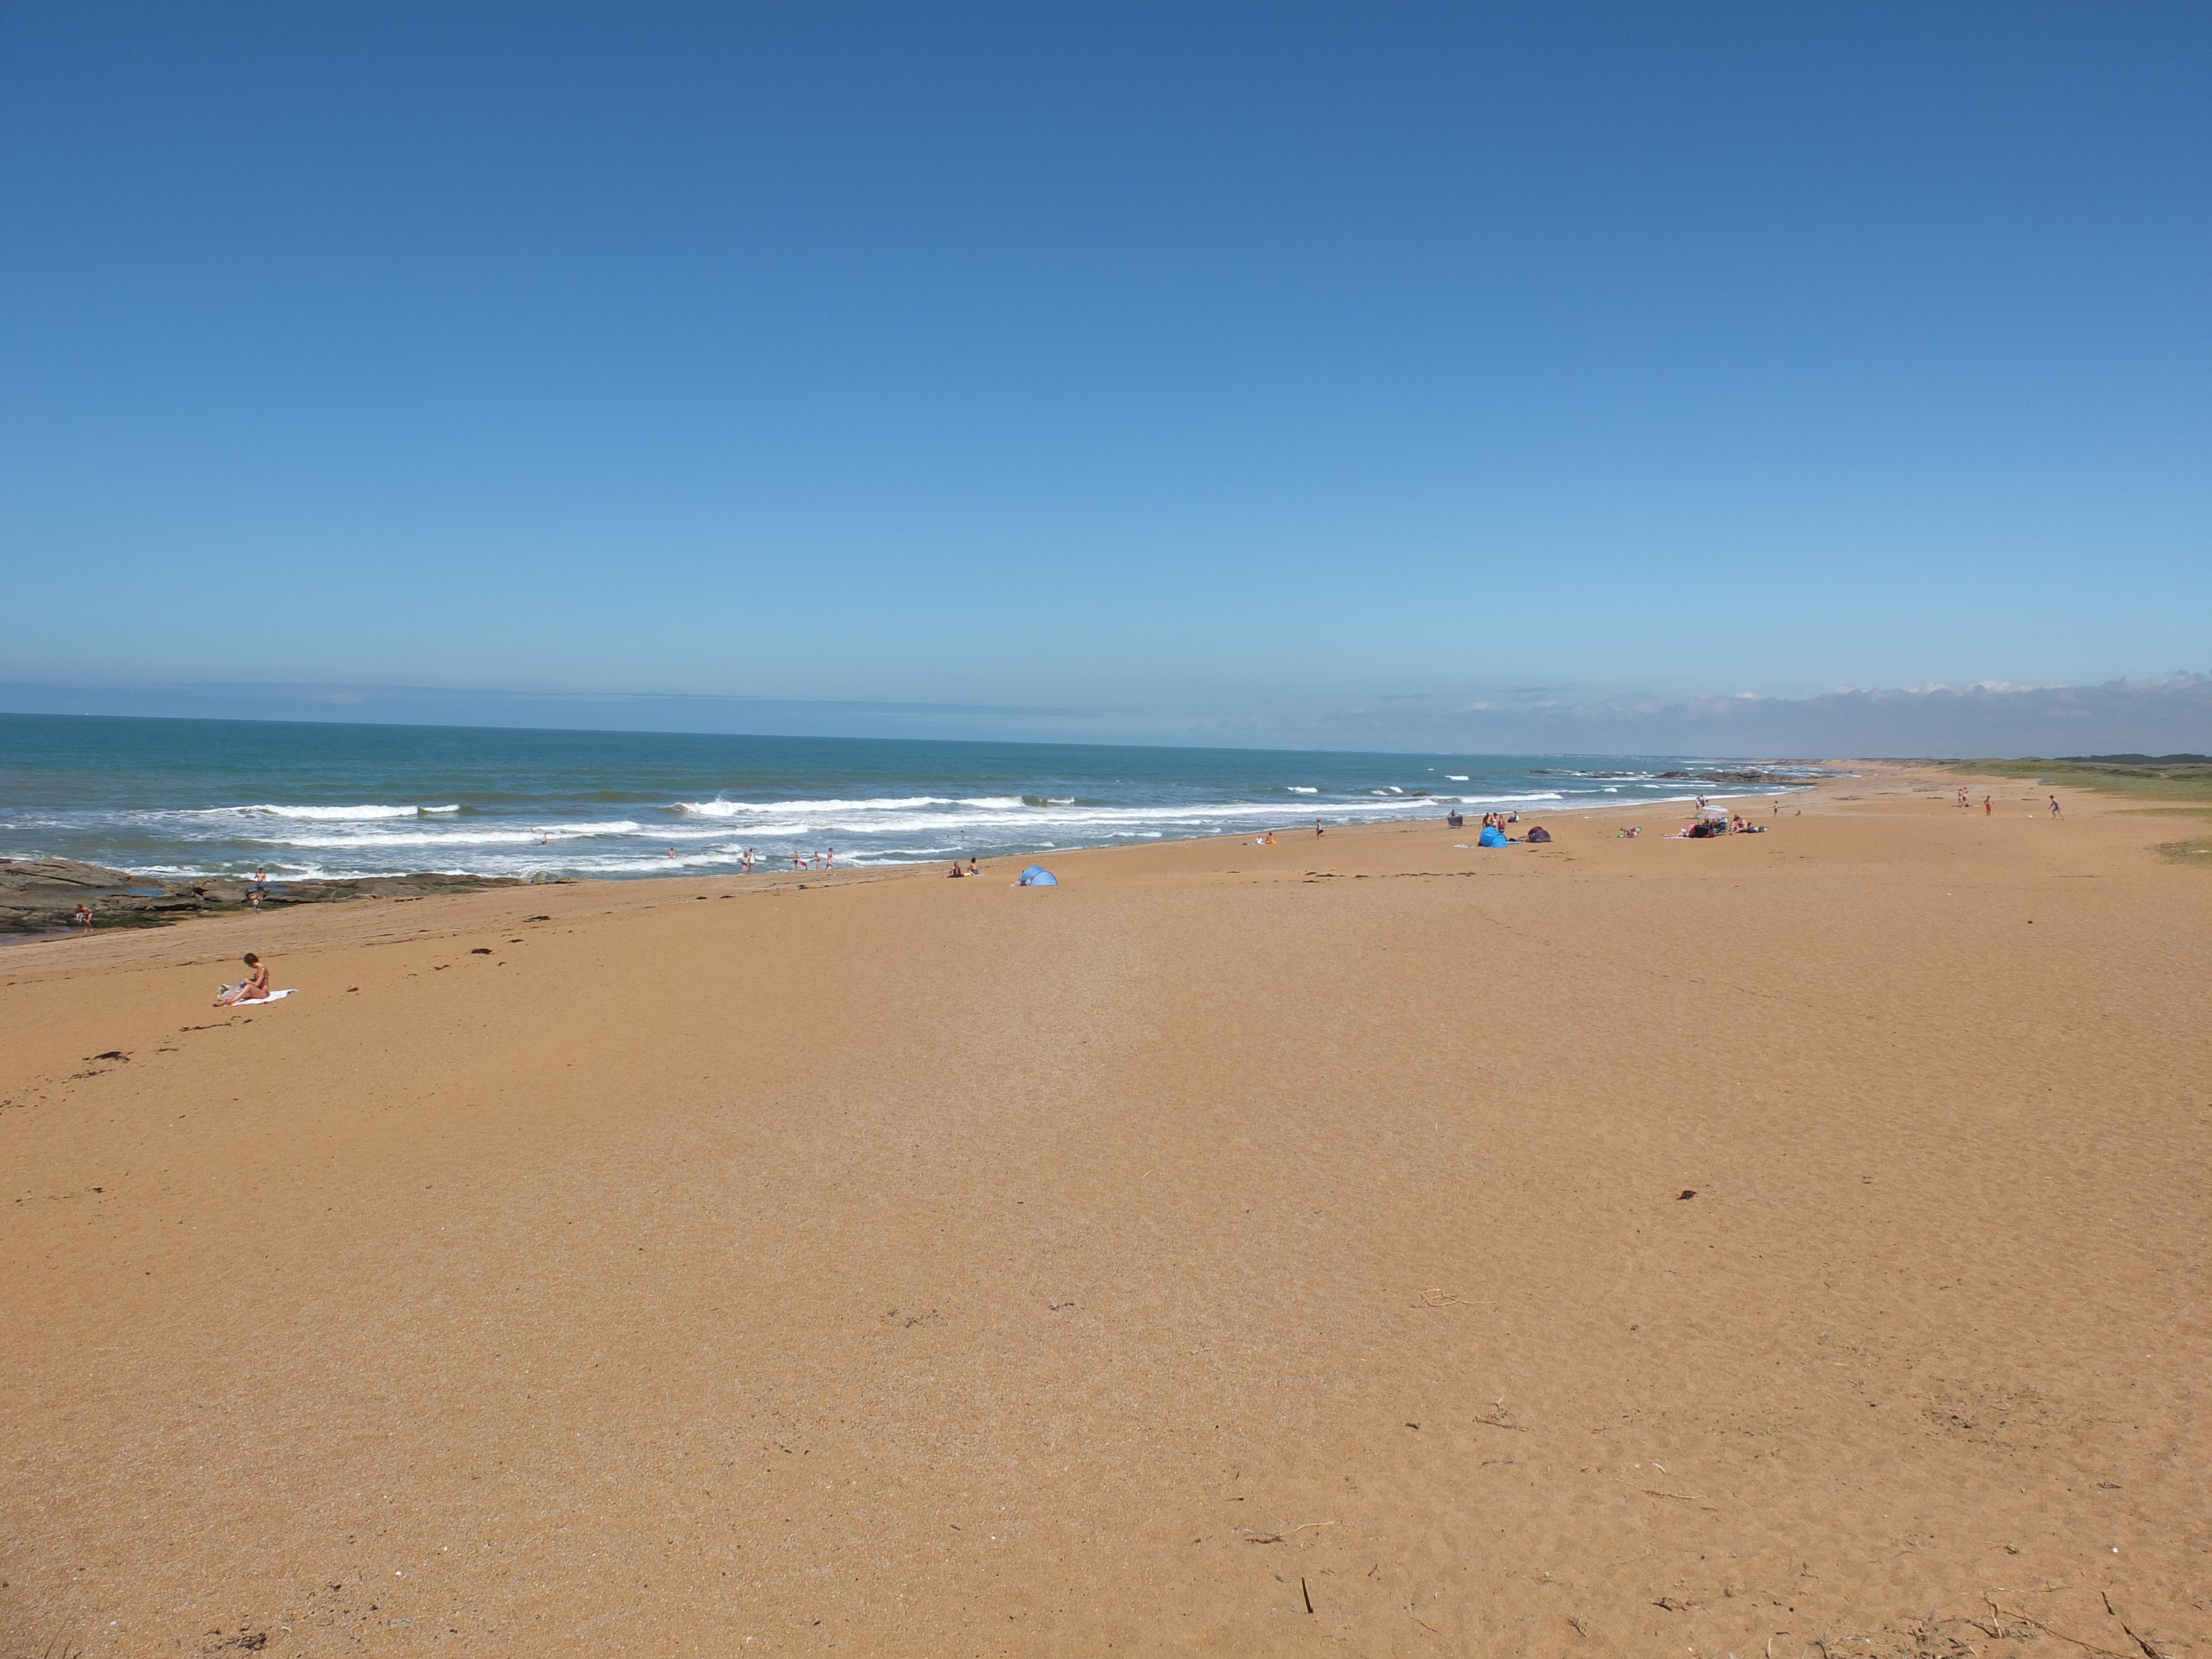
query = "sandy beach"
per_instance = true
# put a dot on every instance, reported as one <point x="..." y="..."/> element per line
<point x="1784" y="1244"/>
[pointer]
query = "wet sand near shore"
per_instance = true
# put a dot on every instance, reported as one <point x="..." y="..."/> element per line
<point x="1354" y="1246"/>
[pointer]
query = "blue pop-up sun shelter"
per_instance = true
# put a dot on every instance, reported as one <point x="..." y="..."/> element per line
<point x="1037" y="876"/>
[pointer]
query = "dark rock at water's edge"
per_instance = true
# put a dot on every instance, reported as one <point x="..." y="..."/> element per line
<point x="1757" y="775"/>
<point x="24" y="875"/>
<point x="40" y="896"/>
<point x="1776" y="773"/>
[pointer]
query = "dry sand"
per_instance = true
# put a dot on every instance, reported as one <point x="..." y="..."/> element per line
<point x="910" y="1267"/>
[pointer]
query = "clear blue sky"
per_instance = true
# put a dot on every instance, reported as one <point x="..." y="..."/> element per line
<point x="1219" y="357"/>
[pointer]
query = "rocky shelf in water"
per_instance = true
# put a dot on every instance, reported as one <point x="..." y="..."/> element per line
<point x="40" y="896"/>
<point x="1780" y="773"/>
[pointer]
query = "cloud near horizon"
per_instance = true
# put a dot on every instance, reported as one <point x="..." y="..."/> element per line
<point x="2169" y="714"/>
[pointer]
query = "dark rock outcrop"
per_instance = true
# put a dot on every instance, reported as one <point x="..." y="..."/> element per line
<point x="38" y="895"/>
<point x="68" y="875"/>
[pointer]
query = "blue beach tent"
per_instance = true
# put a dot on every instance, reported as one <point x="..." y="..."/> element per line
<point x="1037" y="876"/>
<point x="1492" y="836"/>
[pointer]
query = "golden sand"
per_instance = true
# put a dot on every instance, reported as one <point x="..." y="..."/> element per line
<point x="915" y="1267"/>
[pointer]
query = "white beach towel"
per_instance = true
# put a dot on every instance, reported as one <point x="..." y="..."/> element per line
<point x="263" y="1002"/>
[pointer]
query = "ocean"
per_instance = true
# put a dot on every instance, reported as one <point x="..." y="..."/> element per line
<point x="175" y="797"/>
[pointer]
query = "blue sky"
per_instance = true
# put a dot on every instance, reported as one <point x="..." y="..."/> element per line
<point x="1206" y="364"/>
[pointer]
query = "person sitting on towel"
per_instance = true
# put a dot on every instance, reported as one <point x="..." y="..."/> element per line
<point x="255" y="988"/>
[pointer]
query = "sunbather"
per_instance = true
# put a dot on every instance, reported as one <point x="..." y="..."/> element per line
<point x="252" y="989"/>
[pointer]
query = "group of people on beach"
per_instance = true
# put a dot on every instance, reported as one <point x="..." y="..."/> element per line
<point x="1497" y="828"/>
<point x="1496" y="832"/>
<point x="973" y="869"/>
<point x="749" y="859"/>
<point x="1702" y="828"/>
<point x="1988" y="803"/>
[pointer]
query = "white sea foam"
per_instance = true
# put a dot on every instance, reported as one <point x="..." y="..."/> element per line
<point x="370" y="840"/>
<point x="813" y="809"/>
<point x="328" y="814"/>
<point x="1455" y="777"/>
<point x="956" y="816"/>
<point x="738" y="809"/>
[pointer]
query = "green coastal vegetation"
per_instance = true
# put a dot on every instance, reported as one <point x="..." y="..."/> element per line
<point x="2173" y="777"/>
<point x="2176" y="779"/>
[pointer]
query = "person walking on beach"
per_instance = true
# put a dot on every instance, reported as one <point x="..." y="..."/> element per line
<point x="83" y="918"/>
<point x="1986" y="808"/>
<point x="1963" y="802"/>
<point x="252" y="989"/>
<point x="1317" y="828"/>
<point x="829" y="859"/>
<point x="2054" y="806"/>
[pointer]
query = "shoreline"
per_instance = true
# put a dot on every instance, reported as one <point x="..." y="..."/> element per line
<point x="1695" y="1244"/>
<point x="217" y="894"/>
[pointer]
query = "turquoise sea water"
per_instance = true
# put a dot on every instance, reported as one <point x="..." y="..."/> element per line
<point x="172" y="798"/>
